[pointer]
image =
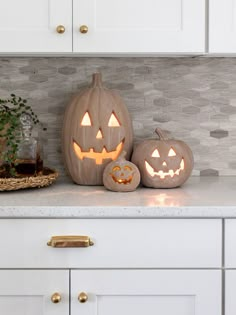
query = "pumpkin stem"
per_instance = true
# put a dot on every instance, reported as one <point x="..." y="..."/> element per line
<point x="161" y="134"/>
<point x="96" y="80"/>
<point x="122" y="155"/>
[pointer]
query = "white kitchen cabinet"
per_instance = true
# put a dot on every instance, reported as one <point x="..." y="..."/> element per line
<point x="230" y="292"/>
<point x="172" y="243"/>
<point x="133" y="26"/>
<point x="230" y="243"/>
<point x="118" y="26"/>
<point x="222" y="26"/>
<point x="130" y="266"/>
<point x="139" y="292"/>
<point x="29" y="292"/>
<point x="29" y="26"/>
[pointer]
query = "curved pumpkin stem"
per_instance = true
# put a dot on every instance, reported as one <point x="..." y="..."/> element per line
<point x="96" y="80"/>
<point x="161" y="134"/>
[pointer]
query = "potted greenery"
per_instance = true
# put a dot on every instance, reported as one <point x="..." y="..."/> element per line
<point x="10" y="112"/>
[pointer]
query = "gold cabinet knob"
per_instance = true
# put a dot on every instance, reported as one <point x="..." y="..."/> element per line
<point x="56" y="298"/>
<point x="60" y="29"/>
<point x="83" y="29"/>
<point x="82" y="297"/>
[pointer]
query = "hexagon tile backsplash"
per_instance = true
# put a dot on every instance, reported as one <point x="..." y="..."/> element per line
<point x="193" y="98"/>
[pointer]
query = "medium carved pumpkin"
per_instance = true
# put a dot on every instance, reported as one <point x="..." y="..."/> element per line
<point x="96" y="128"/>
<point x="163" y="163"/>
<point x="121" y="175"/>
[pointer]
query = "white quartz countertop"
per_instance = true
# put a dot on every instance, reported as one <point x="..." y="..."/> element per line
<point x="211" y="197"/>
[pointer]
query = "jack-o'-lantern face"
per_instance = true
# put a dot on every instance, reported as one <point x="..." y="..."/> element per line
<point x="167" y="165"/>
<point x="163" y="163"/>
<point x="122" y="174"/>
<point x="96" y="128"/>
<point x="104" y="153"/>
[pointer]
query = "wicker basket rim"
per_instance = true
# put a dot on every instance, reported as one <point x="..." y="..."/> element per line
<point x="46" y="179"/>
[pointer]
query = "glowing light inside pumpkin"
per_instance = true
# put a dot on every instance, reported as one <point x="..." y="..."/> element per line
<point x="113" y="121"/>
<point x="121" y="177"/>
<point x="155" y="153"/>
<point x="116" y="168"/>
<point x="127" y="167"/>
<point x="171" y="152"/>
<point x="98" y="156"/>
<point x="99" y="134"/>
<point x="163" y="174"/>
<point x="86" y="121"/>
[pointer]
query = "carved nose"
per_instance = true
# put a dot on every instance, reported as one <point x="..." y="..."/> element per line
<point x="99" y="134"/>
<point x="164" y="163"/>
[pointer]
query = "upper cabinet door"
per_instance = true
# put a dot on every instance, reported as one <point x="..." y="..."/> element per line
<point x="149" y="26"/>
<point x="222" y="26"/>
<point x="31" y="26"/>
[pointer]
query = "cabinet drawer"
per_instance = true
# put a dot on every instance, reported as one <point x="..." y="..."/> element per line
<point x="230" y="243"/>
<point x="118" y="243"/>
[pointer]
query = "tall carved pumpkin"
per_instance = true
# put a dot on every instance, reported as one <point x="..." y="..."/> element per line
<point x="163" y="163"/>
<point x="96" y="129"/>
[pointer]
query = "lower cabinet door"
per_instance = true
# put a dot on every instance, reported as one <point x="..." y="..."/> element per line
<point x="230" y="292"/>
<point x="141" y="292"/>
<point x="29" y="292"/>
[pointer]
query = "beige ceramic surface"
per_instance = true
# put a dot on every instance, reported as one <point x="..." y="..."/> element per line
<point x="121" y="175"/>
<point x="90" y="141"/>
<point x="164" y="162"/>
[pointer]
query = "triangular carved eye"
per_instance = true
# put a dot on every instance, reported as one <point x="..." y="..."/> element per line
<point x="171" y="152"/>
<point x="155" y="153"/>
<point x="86" y="121"/>
<point x="113" y="121"/>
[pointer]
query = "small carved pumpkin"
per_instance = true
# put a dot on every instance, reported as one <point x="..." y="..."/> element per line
<point x="96" y="129"/>
<point x="163" y="163"/>
<point x="121" y="175"/>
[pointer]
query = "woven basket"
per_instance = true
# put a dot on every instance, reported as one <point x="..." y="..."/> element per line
<point x="47" y="178"/>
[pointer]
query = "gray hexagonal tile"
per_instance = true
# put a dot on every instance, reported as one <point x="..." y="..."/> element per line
<point x="219" y="133"/>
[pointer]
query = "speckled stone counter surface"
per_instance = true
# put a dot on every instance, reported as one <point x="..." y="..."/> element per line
<point x="213" y="197"/>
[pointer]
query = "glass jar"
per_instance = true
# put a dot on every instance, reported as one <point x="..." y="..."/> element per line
<point x="26" y="156"/>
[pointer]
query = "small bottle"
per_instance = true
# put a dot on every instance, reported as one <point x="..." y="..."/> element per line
<point x="26" y="160"/>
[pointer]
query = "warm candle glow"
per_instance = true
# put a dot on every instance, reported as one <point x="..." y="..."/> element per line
<point x="155" y="153"/>
<point x="86" y="121"/>
<point x="113" y="121"/>
<point x="99" y="134"/>
<point x="171" y="152"/>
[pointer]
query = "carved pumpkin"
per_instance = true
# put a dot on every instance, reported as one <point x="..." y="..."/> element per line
<point x="163" y="163"/>
<point x="96" y="129"/>
<point x="121" y="175"/>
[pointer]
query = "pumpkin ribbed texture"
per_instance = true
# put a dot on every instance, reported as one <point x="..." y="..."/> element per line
<point x="88" y="148"/>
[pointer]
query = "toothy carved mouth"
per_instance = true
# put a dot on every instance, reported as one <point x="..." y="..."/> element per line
<point x="124" y="181"/>
<point x="98" y="156"/>
<point x="162" y="174"/>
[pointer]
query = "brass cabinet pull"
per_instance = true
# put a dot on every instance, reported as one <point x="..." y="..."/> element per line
<point x="60" y="29"/>
<point x="56" y="298"/>
<point x="83" y="297"/>
<point x="70" y="241"/>
<point x="83" y="29"/>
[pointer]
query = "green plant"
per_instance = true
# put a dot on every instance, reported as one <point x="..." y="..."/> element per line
<point x="10" y="111"/>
